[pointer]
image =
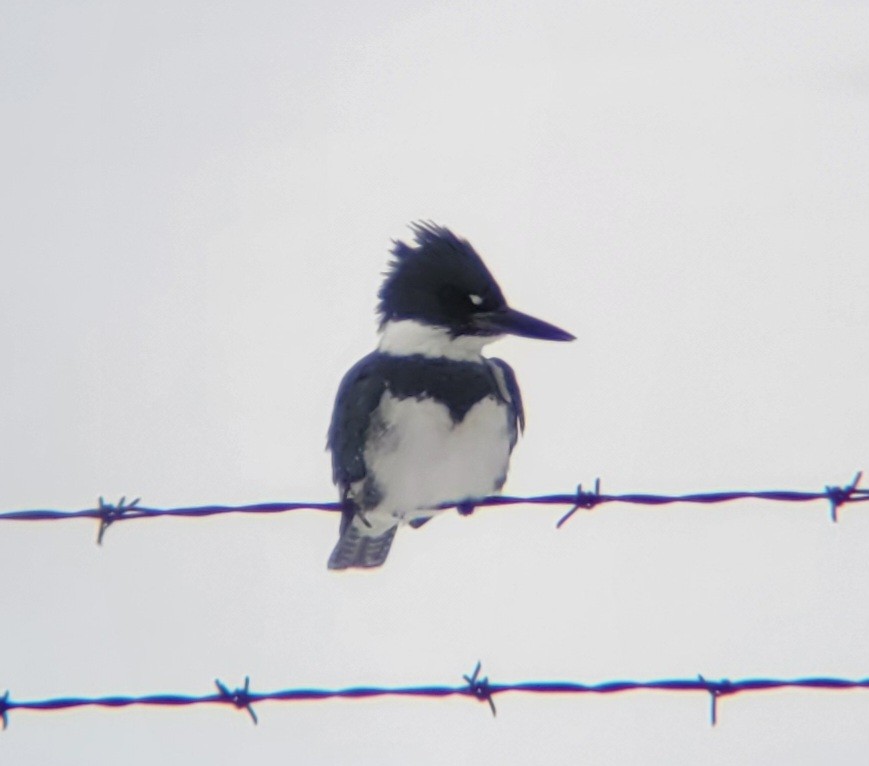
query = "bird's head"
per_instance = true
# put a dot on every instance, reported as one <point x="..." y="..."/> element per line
<point x="442" y="282"/>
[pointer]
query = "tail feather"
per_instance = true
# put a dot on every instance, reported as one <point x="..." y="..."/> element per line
<point x="361" y="547"/>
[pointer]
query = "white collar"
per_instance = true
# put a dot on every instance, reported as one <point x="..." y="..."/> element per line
<point x="407" y="336"/>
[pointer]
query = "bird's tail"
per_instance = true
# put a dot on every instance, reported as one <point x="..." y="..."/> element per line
<point x="362" y="546"/>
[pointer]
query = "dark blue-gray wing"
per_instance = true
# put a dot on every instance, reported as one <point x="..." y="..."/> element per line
<point x="507" y="379"/>
<point x="357" y="399"/>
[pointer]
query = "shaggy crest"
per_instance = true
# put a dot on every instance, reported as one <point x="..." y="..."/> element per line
<point x="434" y="278"/>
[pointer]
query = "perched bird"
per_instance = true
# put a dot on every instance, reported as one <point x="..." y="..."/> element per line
<point x="426" y="419"/>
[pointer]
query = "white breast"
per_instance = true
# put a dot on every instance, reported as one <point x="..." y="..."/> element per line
<point x="424" y="459"/>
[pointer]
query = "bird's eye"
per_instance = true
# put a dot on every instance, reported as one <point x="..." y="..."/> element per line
<point x="475" y="299"/>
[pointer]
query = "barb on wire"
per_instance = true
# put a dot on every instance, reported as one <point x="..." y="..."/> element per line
<point x="586" y="500"/>
<point x="108" y="514"/>
<point x="716" y="689"/>
<point x="838" y="496"/>
<point x="479" y="688"/>
<point x="4" y="709"/>
<point x="241" y="698"/>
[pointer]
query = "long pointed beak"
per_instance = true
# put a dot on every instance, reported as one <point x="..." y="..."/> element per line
<point x="514" y="322"/>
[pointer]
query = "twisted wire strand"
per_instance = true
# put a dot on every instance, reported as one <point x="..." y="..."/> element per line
<point x="110" y="513"/>
<point x="475" y="686"/>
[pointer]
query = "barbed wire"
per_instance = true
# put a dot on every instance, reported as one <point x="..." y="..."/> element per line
<point x="475" y="686"/>
<point x="110" y="513"/>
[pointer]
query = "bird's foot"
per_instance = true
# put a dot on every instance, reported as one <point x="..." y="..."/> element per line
<point x="465" y="509"/>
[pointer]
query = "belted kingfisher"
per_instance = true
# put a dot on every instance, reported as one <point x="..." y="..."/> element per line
<point x="426" y="419"/>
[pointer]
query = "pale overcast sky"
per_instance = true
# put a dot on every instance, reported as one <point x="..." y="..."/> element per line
<point x="198" y="201"/>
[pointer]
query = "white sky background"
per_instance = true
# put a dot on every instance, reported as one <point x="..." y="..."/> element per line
<point x="197" y="203"/>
